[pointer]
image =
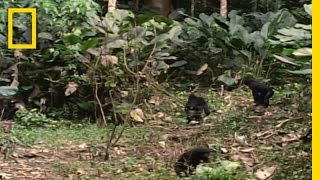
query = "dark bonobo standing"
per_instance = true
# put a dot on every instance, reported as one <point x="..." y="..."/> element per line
<point x="195" y="107"/>
<point x="261" y="92"/>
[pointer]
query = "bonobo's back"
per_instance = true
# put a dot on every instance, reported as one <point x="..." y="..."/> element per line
<point x="190" y="159"/>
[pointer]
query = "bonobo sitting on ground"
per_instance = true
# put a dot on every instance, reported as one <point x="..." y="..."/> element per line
<point x="8" y="108"/>
<point x="195" y="107"/>
<point x="261" y="92"/>
<point x="190" y="159"/>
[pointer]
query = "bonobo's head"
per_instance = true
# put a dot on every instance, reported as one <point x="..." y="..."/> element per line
<point x="248" y="80"/>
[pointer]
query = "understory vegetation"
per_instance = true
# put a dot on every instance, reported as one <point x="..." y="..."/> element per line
<point x="103" y="95"/>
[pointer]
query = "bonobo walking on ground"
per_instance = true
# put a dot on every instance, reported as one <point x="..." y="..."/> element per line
<point x="190" y="159"/>
<point x="195" y="107"/>
<point x="261" y="92"/>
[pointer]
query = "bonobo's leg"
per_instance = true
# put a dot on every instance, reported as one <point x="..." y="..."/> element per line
<point x="255" y="96"/>
<point x="267" y="96"/>
<point x="206" y="109"/>
<point x="189" y="119"/>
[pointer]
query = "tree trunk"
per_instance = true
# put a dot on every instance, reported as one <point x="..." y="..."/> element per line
<point x="223" y="8"/>
<point x="192" y="7"/>
<point x="112" y="5"/>
<point x="163" y="5"/>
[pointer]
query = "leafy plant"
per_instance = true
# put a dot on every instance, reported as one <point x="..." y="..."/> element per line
<point x="296" y="47"/>
<point x="32" y="118"/>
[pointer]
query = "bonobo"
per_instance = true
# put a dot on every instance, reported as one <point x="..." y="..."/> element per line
<point x="190" y="159"/>
<point x="195" y="107"/>
<point x="307" y="137"/>
<point x="8" y="108"/>
<point x="261" y="92"/>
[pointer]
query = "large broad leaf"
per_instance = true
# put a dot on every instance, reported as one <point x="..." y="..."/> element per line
<point x="208" y="20"/>
<point x="302" y="72"/>
<point x="160" y="38"/>
<point x="303" y="26"/>
<point x="161" y="65"/>
<point x="283" y="19"/>
<point x="287" y="60"/>
<point x="120" y="15"/>
<point x="190" y="22"/>
<point x="303" y="52"/>
<point x="308" y="8"/>
<point x="90" y="43"/>
<point x="227" y="80"/>
<point x="118" y="44"/>
<point x="175" y="32"/>
<point x="178" y="64"/>
<point x="45" y="35"/>
<point x="265" y="30"/>
<point x="8" y="90"/>
<point x="293" y="34"/>
<point x="72" y="39"/>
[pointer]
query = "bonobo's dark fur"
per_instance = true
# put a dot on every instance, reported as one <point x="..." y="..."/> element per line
<point x="190" y="159"/>
<point x="261" y="92"/>
<point x="195" y="107"/>
<point x="307" y="137"/>
<point x="8" y="108"/>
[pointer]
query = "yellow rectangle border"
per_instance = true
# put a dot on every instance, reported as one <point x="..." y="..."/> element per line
<point x="315" y="90"/>
<point x="33" y="12"/>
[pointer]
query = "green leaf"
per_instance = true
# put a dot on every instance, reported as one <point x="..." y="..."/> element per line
<point x="45" y="35"/>
<point x="72" y="39"/>
<point x="178" y="64"/>
<point x="8" y="90"/>
<point x="208" y="20"/>
<point x="303" y="52"/>
<point x="190" y="22"/>
<point x="90" y="44"/>
<point x="265" y="30"/>
<point x="161" y="65"/>
<point x="308" y="8"/>
<point x="226" y="80"/>
<point x="285" y="59"/>
<point x="230" y="166"/>
<point x="302" y="72"/>
<point x="118" y="44"/>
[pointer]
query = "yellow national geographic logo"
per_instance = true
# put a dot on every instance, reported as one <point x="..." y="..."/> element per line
<point x="33" y="12"/>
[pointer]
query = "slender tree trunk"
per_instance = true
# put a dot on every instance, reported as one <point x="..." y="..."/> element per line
<point x="166" y="7"/>
<point x="223" y="8"/>
<point x="192" y="7"/>
<point x="163" y="5"/>
<point x="112" y="5"/>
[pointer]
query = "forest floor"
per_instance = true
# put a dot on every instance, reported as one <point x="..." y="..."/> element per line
<point x="266" y="143"/>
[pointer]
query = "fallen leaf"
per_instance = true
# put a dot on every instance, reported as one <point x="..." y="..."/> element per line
<point x="202" y="69"/>
<point x="106" y="60"/>
<point x="240" y="139"/>
<point x="81" y="171"/>
<point x="282" y="122"/>
<point x="265" y="173"/>
<point x="162" y="144"/>
<point x="224" y="150"/>
<point x="154" y="100"/>
<point x="291" y="137"/>
<point x="160" y="115"/>
<point x="247" y="150"/>
<point x="173" y="105"/>
<point x="71" y="88"/>
<point x="124" y="93"/>
<point x="137" y="115"/>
